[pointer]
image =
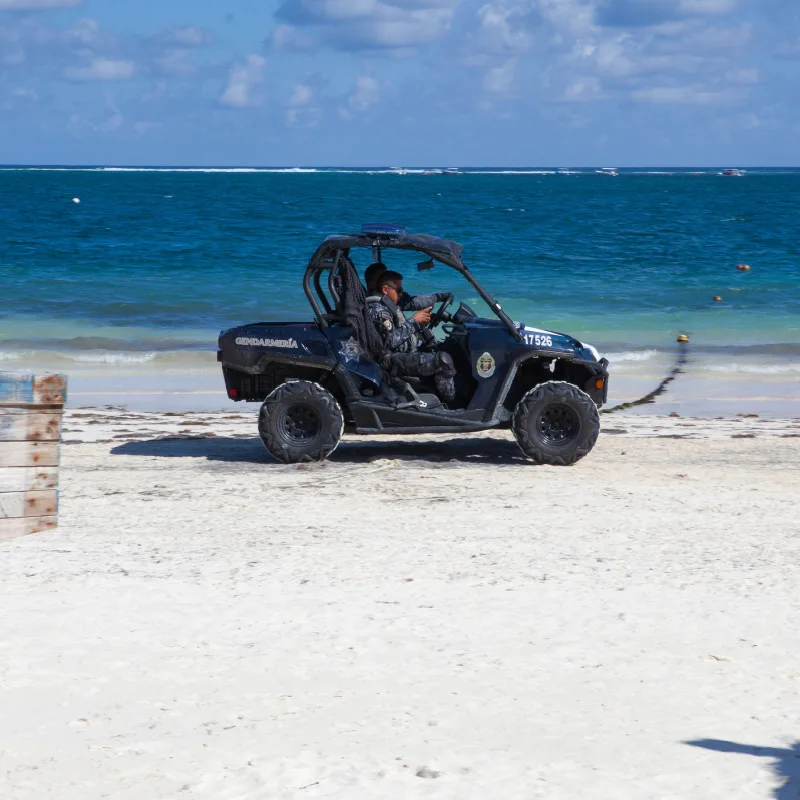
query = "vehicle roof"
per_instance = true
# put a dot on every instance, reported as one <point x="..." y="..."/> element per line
<point x="444" y="250"/>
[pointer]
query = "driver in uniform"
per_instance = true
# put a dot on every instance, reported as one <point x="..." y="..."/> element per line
<point x="372" y="275"/>
<point x="402" y="336"/>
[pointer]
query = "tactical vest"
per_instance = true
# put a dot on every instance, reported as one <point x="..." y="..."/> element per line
<point x="399" y="317"/>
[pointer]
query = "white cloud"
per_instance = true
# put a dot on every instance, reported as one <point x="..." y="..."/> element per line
<point x="176" y="62"/>
<point x="21" y="93"/>
<point x="302" y="95"/>
<point x="37" y="5"/>
<point x="101" y="69"/>
<point x="302" y="117"/>
<point x="366" y="92"/>
<point x="242" y="81"/>
<point x="707" y="6"/>
<point x="684" y="95"/>
<point x="583" y="90"/>
<point x="286" y="37"/>
<point x="498" y="80"/>
<point x="189" y="37"/>
<point x="392" y="25"/>
<point x="501" y="29"/>
<point x="84" y="31"/>
<point x="569" y="16"/>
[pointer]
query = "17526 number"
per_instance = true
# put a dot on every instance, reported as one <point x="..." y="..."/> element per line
<point x="538" y="339"/>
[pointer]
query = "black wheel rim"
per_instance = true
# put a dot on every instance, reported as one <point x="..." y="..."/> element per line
<point x="300" y="424"/>
<point x="558" y="424"/>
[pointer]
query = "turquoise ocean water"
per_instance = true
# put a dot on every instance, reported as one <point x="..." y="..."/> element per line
<point x="151" y="264"/>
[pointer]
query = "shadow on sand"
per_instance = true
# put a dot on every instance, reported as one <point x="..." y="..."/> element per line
<point x="786" y="762"/>
<point x="470" y="450"/>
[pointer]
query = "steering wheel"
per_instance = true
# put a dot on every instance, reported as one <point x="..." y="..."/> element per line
<point x="440" y="315"/>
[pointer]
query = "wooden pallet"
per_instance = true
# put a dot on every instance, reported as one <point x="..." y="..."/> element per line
<point x="31" y="407"/>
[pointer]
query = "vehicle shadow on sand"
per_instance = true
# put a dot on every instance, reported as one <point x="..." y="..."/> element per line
<point x="472" y="450"/>
<point x="786" y="765"/>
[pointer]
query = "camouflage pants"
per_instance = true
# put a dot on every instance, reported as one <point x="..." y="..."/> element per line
<point x="425" y="365"/>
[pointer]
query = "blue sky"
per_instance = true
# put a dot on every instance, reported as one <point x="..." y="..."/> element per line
<point x="400" y="82"/>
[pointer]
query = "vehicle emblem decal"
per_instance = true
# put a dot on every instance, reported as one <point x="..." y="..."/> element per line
<point x="485" y="365"/>
<point x="350" y="350"/>
<point x="248" y="341"/>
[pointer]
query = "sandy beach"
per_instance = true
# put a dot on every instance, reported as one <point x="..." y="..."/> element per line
<point x="418" y="617"/>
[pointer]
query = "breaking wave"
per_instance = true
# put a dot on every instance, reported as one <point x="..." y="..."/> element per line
<point x="755" y="369"/>
<point x="632" y="355"/>
<point x="109" y="358"/>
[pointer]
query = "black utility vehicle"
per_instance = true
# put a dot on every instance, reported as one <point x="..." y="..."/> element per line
<point x="318" y="379"/>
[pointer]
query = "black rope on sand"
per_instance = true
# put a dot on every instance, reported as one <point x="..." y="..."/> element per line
<point x="677" y="369"/>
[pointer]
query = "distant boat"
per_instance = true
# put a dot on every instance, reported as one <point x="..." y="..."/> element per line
<point x="399" y="171"/>
<point x="612" y="172"/>
<point x="732" y="173"/>
<point x="452" y="171"/>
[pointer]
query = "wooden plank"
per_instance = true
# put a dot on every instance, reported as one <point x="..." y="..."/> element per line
<point x="12" y="528"/>
<point x="29" y="425"/>
<point x="28" y="479"/>
<point x="28" y="504"/>
<point x="28" y="454"/>
<point x="24" y="389"/>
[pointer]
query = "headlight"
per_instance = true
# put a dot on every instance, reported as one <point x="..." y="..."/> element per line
<point x="592" y="350"/>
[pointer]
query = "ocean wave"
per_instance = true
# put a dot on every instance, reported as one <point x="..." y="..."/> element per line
<point x="84" y="357"/>
<point x="93" y="360"/>
<point x="755" y="369"/>
<point x="109" y="358"/>
<point x="632" y="355"/>
<point x="226" y="170"/>
<point x="105" y="343"/>
<point x="171" y="169"/>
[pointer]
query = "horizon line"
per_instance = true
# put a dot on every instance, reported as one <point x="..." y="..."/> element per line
<point x="112" y="165"/>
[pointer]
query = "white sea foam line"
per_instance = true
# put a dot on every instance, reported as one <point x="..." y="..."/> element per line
<point x="755" y="369"/>
<point x="109" y="358"/>
<point x="144" y="391"/>
<point x="631" y="355"/>
<point x="164" y="169"/>
<point x="282" y="170"/>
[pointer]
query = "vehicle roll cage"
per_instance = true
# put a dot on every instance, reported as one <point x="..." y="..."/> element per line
<point x="328" y="257"/>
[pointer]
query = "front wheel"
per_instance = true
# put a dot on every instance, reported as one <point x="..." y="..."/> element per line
<point x="556" y="423"/>
<point x="300" y="421"/>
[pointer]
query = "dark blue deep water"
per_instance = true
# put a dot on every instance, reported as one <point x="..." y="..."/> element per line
<point x="166" y="259"/>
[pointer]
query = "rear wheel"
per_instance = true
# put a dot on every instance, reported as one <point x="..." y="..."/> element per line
<point x="300" y="421"/>
<point x="556" y="423"/>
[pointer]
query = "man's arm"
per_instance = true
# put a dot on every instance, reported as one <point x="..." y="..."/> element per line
<point x="420" y="301"/>
<point x="397" y="338"/>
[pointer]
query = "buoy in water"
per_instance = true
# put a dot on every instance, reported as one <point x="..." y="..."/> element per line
<point x="717" y="298"/>
<point x="743" y="267"/>
<point x="683" y="339"/>
<point x="76" y="199"/>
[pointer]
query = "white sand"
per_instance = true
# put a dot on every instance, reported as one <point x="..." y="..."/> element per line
<point x="428" y="617"/>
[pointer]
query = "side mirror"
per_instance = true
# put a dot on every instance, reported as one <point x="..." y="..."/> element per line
<point x="425" y="265"/>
